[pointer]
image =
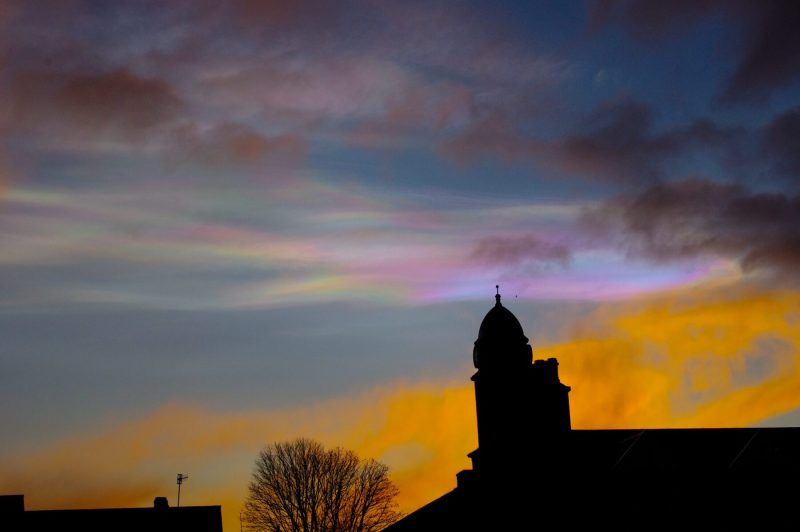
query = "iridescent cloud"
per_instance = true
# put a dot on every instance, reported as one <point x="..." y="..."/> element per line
<point x="313" y="242"/>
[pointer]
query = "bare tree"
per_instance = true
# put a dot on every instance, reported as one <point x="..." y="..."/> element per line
<point x="301" y="486"/>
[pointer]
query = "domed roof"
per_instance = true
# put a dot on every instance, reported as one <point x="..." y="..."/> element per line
<point x="500" y="325"/>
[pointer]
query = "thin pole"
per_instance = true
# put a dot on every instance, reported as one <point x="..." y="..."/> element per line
<point x="181" y="478"/>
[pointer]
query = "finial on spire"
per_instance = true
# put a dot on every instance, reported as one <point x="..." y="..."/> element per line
<point x="497" y="296"/>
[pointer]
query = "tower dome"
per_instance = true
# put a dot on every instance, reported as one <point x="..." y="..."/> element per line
<point x="501" y="341"/>
<point x="500" y="324"/>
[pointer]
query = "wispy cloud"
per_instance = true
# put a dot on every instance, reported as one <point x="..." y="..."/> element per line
<point x="520" y="249"/>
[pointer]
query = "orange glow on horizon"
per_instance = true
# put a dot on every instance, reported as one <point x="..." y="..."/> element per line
<point x="699" y="358"/>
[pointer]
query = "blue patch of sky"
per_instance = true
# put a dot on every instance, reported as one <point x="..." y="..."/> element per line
<point x="678" y="76"/>
<point x="425" y="171"/>
<point x="138" y="360"/>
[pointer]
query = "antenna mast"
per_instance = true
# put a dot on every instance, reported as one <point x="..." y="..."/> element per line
<point x="181" y="478"/>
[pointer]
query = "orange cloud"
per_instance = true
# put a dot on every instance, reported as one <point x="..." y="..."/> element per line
<point x="704" y="357"/>
<point x="685" y="359"/>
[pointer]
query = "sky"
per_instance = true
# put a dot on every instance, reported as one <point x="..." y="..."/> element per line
<point x="224" y="224"/>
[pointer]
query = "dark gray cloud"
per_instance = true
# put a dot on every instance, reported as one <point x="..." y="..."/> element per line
<point x="696" y="217"/>
<point x="771" y="49"/>
<point x="510" y="251"/>
<point x="617" y="142"/>
<point x="767" y="40"/>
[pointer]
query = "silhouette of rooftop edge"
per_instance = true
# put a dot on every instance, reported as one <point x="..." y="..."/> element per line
<point x="160" y="517"/>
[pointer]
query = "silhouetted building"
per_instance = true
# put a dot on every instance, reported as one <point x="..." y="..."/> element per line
<point x="160" y="517"/>
<point x="531" y="470"/>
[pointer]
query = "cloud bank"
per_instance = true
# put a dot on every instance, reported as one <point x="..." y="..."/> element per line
<point x="698" y="217"/>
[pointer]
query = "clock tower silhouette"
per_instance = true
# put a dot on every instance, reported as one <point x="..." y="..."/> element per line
<point x="521" y="404"/>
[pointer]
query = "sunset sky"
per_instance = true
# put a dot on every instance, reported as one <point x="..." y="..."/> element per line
<point x="224" y="224"/>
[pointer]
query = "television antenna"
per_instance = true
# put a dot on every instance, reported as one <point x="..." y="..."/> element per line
<point x="181" y="478"/>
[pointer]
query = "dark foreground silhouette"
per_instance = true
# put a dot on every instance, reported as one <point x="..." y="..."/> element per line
<point x="159" y="518"/>
<point x="301" y="485"/>
<point x="532" y="471"/>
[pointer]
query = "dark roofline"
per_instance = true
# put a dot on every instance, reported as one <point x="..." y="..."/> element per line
<point x="157" y="518"/>
<point x="144" y="509"/>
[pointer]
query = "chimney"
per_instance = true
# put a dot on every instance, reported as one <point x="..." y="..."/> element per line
<point x="546" y="371"/>
<point x="160" y="503"/>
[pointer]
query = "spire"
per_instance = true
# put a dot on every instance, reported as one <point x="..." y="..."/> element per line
<point x="497" y="296"/>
